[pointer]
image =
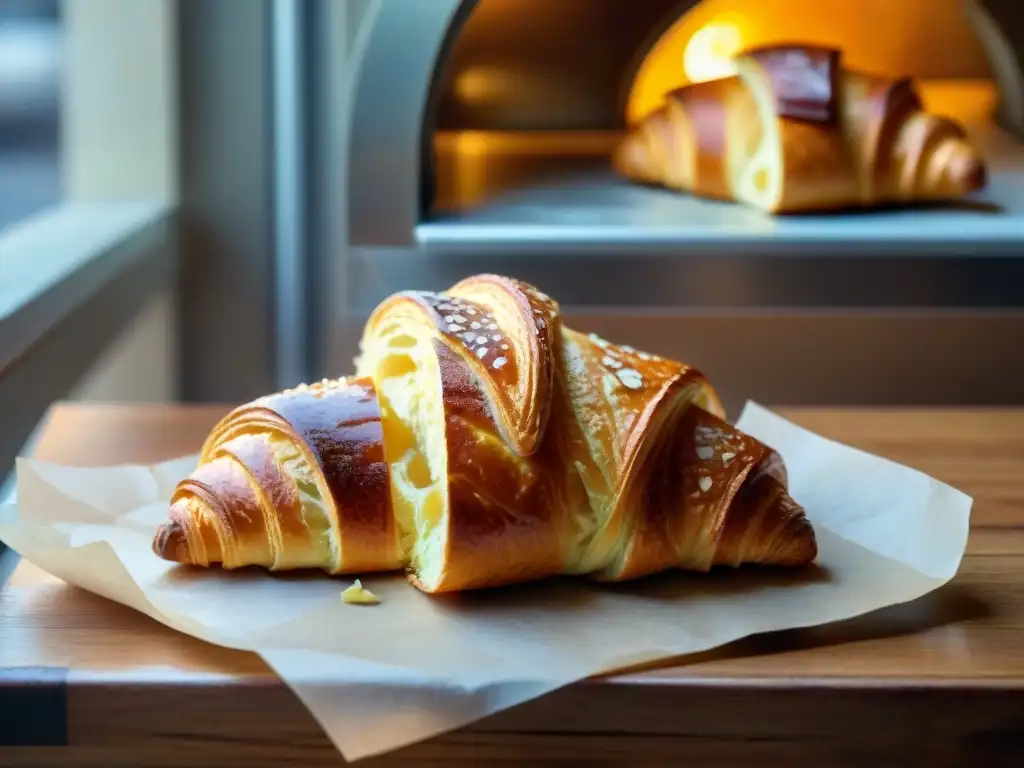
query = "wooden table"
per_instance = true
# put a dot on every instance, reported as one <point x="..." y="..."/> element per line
<point x="935" y="682"/>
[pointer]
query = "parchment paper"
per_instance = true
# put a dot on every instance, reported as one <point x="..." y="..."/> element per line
<point x="381" y="677"/>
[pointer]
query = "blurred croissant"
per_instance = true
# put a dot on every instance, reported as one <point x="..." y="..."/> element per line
<point x="483" y="443"/>
<point x="795" y="131"/>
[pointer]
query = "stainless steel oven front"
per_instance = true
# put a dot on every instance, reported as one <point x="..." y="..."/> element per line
<point x="457" y="136"/>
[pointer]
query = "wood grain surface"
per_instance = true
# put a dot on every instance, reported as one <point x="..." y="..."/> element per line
<point x="936" y="682"/>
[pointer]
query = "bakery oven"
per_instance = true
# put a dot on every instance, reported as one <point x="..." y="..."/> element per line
<point x="476" y="135"/>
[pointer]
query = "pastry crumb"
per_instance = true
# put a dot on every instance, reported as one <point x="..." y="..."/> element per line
<point x="357" y="594"/>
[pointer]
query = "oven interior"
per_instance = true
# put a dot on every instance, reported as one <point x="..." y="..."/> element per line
<point x="531" y="96"/>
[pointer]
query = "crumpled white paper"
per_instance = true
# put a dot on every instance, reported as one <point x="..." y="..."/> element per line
<point x="379" y="678"/>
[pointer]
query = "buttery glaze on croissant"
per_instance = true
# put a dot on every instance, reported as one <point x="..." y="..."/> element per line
<point x="795" y="131"/>
<point x="293" y="480"/>
<point x="483" y="443"/>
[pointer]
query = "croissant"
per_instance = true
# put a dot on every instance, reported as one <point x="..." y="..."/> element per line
<point x="480" y="443"/>
<point x="795" y="131"/>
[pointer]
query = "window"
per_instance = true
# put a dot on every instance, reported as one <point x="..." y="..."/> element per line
<point x="30" y="75"/>
<point x="87" y="184"/>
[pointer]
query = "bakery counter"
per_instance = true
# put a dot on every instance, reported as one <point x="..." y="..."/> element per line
<point x="86" y="682"/>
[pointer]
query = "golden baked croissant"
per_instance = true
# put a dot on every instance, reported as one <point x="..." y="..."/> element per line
<point x="483" y="443"/>
<point x="795" y="131"/>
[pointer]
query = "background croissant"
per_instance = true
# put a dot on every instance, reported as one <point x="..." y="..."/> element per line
<point x="483" y="443"/>
<point x="795" y="131"/>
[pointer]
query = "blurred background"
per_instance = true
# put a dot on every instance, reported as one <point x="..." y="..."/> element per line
<point x="31" y="51"/>
<point x="319" y="154"/>
<point x="529" y="86"/>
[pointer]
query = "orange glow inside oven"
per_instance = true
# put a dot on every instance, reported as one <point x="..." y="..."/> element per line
<point x="896" y="37"/>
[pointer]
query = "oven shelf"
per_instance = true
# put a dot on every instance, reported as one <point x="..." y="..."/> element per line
<point x="597" y="208"/>
<point x="517" y="191"/>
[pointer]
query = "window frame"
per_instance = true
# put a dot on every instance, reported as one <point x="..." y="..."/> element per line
<point x="78" y="273"/>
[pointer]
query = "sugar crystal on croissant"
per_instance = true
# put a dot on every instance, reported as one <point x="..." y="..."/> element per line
<point x="480" y="443"/>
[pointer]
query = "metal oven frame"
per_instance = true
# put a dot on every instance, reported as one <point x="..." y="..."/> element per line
<point x="889" y="309"/>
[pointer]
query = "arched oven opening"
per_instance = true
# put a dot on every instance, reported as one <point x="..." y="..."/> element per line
<point x="531" y="96"/>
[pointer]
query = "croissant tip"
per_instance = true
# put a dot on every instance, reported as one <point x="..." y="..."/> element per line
<point x="966" y="170"/>
<point x="171" y="543"/>
<point x="802" y="542"/>
<point x="796" y="544"/>
<point x="975" y="175"/>
<point x="807" y="550"/>
<point x="630" y="158"/>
